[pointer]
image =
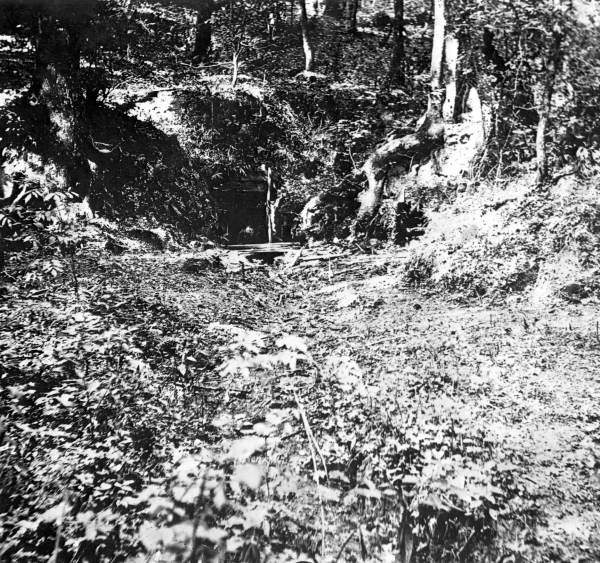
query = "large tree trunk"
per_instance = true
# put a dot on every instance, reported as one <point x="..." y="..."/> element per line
<point x="540" y="143"/>
<point x="57" y="84"/>
<point x="235" y="61"/>
<point x="308" y="52"/>
<point x="492" y="55"/>
<point x="409" y="150"/>
<point x="396" y="72"/>
<point x="203" y="38"/>
<point x="403" y="152"/>
<point x="129" y="15"/>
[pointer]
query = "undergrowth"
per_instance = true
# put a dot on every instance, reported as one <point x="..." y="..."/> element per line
<point x="136" y="426"/>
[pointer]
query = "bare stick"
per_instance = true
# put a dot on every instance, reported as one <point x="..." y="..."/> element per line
<point x="197" y="516"/>
<point x="309" y="432"/>
<point x="344" y="546"/>
<point x="56" y="551"/>
<point x="311" y="447"/>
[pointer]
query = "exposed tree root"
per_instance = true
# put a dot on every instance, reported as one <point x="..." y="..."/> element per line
<point x="407" y="152"/>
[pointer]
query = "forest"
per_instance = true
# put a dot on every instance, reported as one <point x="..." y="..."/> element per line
<point x="299" y="281"/>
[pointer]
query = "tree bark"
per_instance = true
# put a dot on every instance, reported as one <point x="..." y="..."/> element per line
<point x="413" y="149"/>
<point x="334" y="9"/>
<point x="491" y="54"/>
<point x="130" y="14"/>
<point x="57" y="84"/>
<point x="203" y="38"/>
<point x="545" y="105"/>
<point x="236" y="68"/>
<point x="434" y="110"/>
<point x="351" y="9"/>
<point x="396" y="72"/>
<point x="308" y="52"/>
<point x="451" y="51"/>
<point x="404" y="151"/>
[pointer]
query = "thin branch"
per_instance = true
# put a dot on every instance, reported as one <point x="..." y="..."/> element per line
<point x="344" y="546"/>
<point x="311" y="446"/>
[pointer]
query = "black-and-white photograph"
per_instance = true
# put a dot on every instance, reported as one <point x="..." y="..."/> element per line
<point x="299" y="281"/>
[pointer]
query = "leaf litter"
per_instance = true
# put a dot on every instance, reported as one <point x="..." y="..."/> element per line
<point x="338" y="417"/>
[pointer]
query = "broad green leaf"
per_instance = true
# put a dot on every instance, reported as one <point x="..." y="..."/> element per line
<point x="249" y="474"/>
<point x="244" y="448"/>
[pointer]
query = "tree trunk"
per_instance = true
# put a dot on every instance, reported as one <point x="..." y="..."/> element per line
<point x="451" y="51"/>
<point x="271" y="25"/>
<point x="236" y="68"/>
<point x="410" y="150"/>
<point x="545" y="105"/>
<point x="492" y="55"/>
<point x="57" y="84"/>
<point x="203" y="38"/>
<point x="308" y="52"/>
<point x="334" y="9"/>
<point x="351" y="9"/>
<point x="540" y="146"/>
<point x="396" y="72"/>
<point x="434" y="110"/>
<point x="403" y="152"/>
<point x="130" y="14"/>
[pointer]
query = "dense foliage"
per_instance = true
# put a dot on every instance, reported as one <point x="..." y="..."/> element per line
<point x="158" y="125"/>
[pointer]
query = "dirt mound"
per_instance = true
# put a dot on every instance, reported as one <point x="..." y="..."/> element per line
<point x="511" y="238"/>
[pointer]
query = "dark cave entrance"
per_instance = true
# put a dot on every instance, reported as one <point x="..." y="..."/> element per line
<point x="243" y="208"/>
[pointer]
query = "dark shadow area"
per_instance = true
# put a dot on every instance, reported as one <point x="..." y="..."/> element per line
<point x="130" y="167"/>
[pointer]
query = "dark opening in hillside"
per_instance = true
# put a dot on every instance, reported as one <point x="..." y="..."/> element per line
<point x="242" y="217"/>
<point x="243" y="207"/>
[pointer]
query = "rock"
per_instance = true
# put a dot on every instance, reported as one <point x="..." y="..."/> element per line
<point x="115" y="246"/>
<point x="574" y="291"/>
<point x="309" y="212"/>
<point x="202" y="244"/>
<point x="158" y="239"/>
<point x="203" y="263"/>
<point x="246" y="235"/>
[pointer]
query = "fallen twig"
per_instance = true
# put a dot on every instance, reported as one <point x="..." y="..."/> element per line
<point x="59" y="530"/>
<point x="346" y="270"/>
<point x="312" y="445"/>
<point x="323" y="257"/>
<point x="387" y="339"/>
<point x="310" y="434"/>
<point x="344" y="546"/>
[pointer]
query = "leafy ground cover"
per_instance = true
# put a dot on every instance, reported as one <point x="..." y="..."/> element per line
<point x="319" y="412"/>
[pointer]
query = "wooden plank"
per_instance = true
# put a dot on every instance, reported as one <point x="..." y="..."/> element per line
<point x="266" y="247"/>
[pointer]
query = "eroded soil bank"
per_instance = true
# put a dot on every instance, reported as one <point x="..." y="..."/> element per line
<point x="346" y="417"/>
